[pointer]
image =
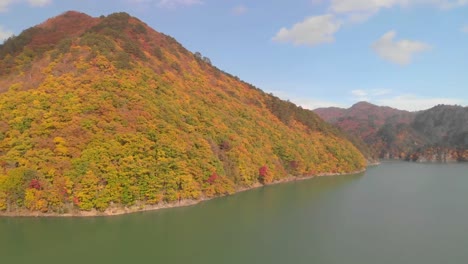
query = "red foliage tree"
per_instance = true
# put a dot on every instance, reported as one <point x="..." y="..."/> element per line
<point x="263" y="171"/>
<point x="35" y="184"/>
<point x="212" y="178"/>
<point x="76" y="201"/>
<point x="263" y="174"/>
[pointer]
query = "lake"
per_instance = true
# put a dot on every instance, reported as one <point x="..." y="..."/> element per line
<point x="394" y="213"/>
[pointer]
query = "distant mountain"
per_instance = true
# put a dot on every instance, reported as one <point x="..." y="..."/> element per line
<point x="98" y="113"/>
<point x="393" y="133"/>
<point x="444" y="125"/>
<point x="370" y="123"/>
<point x="363" y="111"/>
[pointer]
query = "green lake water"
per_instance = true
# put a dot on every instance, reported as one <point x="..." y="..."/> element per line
<point x="394" y="213"/>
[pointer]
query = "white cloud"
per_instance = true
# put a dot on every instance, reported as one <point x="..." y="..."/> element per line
<point x="4" y="34"/>
<point x="177" y="3"/>
<point x="400" y="52"/>
<point x="321" y="29"/>
<point x="411" y="102"/>
<point x="312" y="31"/>
<point x="343" y="12"/>
<point x="239" y="10"/>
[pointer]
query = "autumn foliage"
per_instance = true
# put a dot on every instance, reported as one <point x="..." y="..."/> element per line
<point x="437" y="134"/>
<point x="113" y="113"/>
<point x="264" y="175"/>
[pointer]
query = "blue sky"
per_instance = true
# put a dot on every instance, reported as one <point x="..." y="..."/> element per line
<point x="408" y="54"/>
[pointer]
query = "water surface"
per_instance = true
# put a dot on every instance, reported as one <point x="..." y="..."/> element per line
<point x="394" y="213"/>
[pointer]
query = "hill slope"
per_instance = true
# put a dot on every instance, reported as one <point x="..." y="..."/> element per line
<point x="437" y="134"/>
<point x="103" y="112"/>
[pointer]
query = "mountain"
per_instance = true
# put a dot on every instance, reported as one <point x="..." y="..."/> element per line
<point x="362" y="111"/>
<point x="437" y="134"/>
<point x="370" y="123"/>
<point x="444" y="125"/>
<point x="103" y="113"/>
<point x="445" y="130"/>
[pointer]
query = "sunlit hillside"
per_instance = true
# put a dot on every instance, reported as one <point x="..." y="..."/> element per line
<point x="102" y="112"/>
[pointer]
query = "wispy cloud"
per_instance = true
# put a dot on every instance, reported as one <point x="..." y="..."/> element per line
<point x="380" y="92"/>
<point x="360" y="95"/>
<point x="5" y="4"/>
<point x="399" y="52"/>
<point x="239" y="10"/>
<point x="464" y="29"/>
<point x="39" y="2"/>
<point x="411" y="102"/>
<point x="447" y="4"/>
<point x="312" y="31"/>
<point x="317" y="2"/>
<point x="177" y="3"/>
<point x="308" y="102"/>
<point x="4" y="34"/>
<point x="311" y="103"/>
<point x="381" y="97"/>
<point x="373" y="6"/>
<point x="368" y="95"/>
<point x="166" y="4"/>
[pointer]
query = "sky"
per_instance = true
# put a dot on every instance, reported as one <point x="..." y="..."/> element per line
<point x="407" y="54"/>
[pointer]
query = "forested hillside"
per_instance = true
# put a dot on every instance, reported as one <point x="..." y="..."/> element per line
<point x="436" y="134"/>
<point x="104" y="112"/>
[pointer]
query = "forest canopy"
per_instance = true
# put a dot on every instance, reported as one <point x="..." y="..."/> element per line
<point x="113" y="113"/>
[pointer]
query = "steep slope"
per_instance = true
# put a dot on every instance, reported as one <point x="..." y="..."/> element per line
<point x="437" y="134"/>
<point x="112" y="113"/>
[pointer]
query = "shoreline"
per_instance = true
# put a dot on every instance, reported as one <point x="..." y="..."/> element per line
<point x="115" y="211"/>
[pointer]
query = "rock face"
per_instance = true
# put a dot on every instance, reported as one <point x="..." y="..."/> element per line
<point x="439" y="154"/>
<point x="437" y="134"/>
<point x="107" y="111"/>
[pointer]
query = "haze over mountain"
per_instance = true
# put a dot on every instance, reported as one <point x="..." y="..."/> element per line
<point x="97" y="113"/>
<point x="436" y="134"/>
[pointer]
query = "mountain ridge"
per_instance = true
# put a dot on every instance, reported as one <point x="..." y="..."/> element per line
<point x="436" y="134"/>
